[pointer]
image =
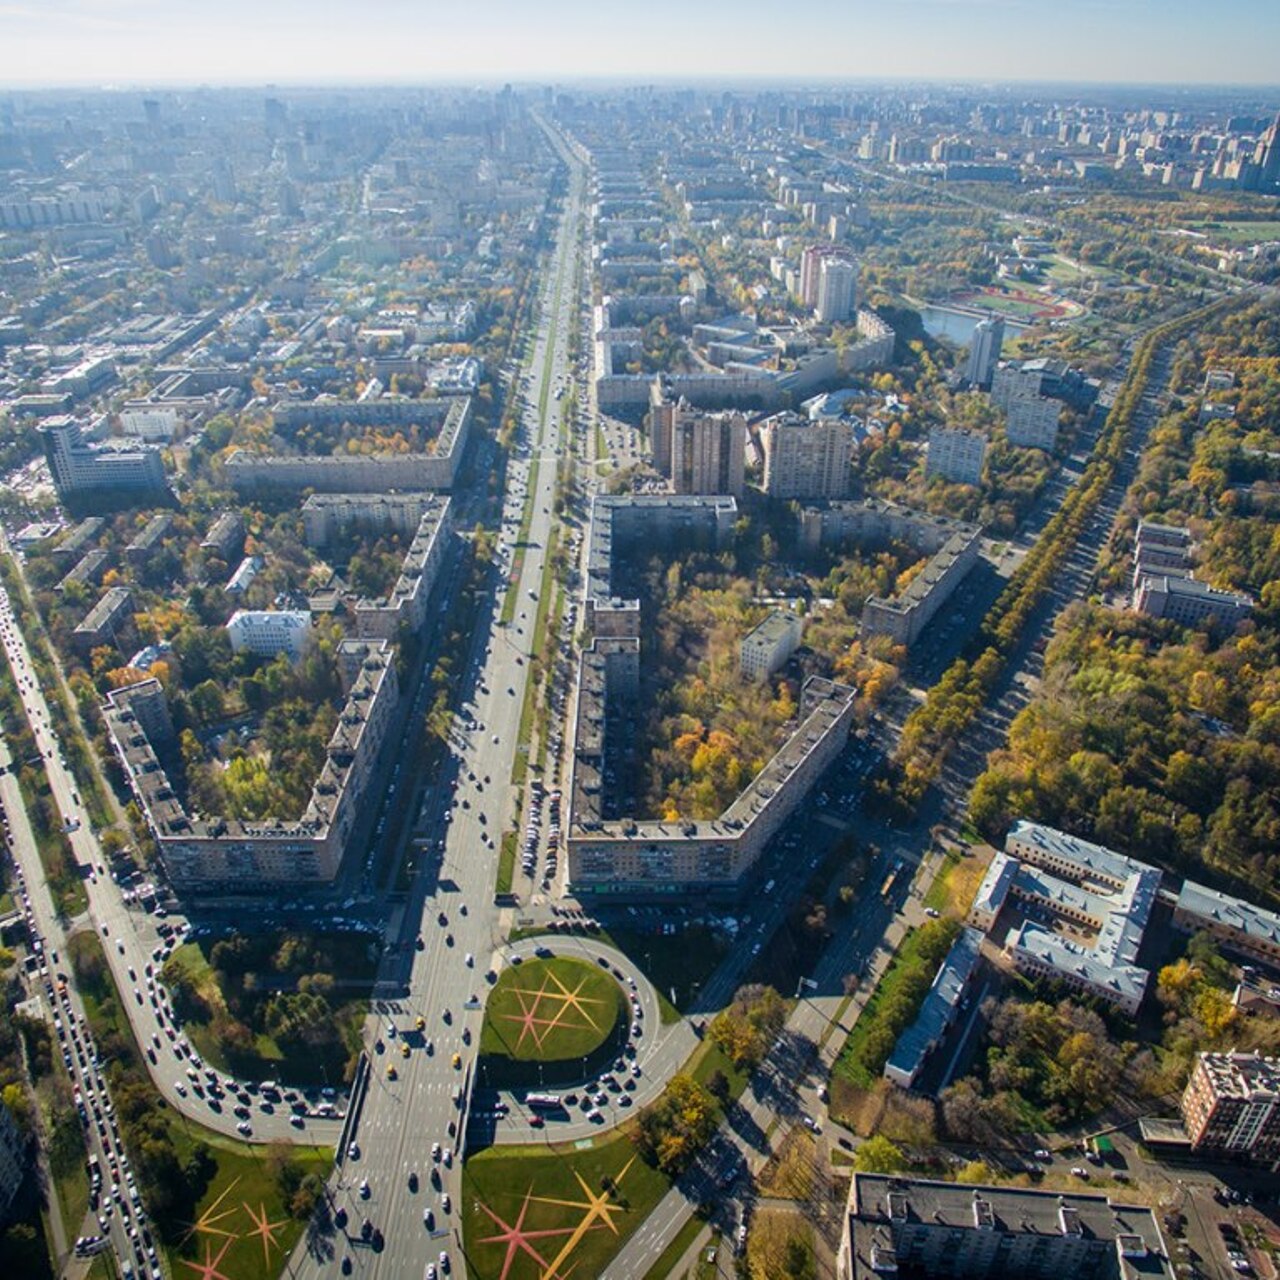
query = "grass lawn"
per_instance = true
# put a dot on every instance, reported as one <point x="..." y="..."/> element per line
<point x="709" y="1058"/>
<point x="243" y="1194"/>
<point x="557" y="1189"/>
<point x="956" y="884"/>
<point x="1239" y="232"/>
<point x="849" y="1071"/>
<point x="550" y="1011"/>
<point x="679" y="963"/>
<point x="507" y="862"/>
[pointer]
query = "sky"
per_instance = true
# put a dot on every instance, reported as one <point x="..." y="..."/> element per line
<point x="143" y="42"/>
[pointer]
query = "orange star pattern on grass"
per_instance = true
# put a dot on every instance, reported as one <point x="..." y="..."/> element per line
<point x="532" y="1022"/>
<point x="264" y="1230"/>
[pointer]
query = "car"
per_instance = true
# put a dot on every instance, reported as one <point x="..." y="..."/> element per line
<point x="364" y="1188"/>
<point x="1042" y="1153"/>
<point x="444" y="1201"/>
<point x="457" y="1061"/>
<point x="391" y="1070"/>
<point x="1080" y="1171"/>
<point x="353" y="1151"/>
<point x="428" y="1219"/>
<point x="435" y="1151"/>
<point x="244" y="1128"/>
<point x="404" y="1048"/>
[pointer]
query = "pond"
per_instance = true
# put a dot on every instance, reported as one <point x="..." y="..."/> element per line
<point x="958" y="326"/>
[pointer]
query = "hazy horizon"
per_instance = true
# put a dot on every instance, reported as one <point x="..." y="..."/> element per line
<point x="1087" y="43"/>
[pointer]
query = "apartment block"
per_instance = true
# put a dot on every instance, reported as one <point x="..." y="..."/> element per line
<point x="984" y="351"/>
<point x="79" y="468"/>
<point x="268" y="632"/>
<point x="1033" y="423"/>
<point x="955" y="455"/>
<point x="219" y="857"/>
<point x="621" y="524"/>
<point x="225" y="538"/>
<point x="1231" y="1106"/>
<point x="107" y="622"/>
<point x="326" y="516"/>
<point x="953" y="548"/>
<point x="708" y="452"/>
<point x="148" y="538"/>
<point x="13" y="1160"/>
<point x="804" y="458"/>
<point x="406" y="603"/>
<point x="917" y="1228"/>
<point x="938" y="1011"/>
<point x="259" y="473"/>
<point x="837" y="290"/>
<point x="768" y="647"/>
<point x="611" y="855"/>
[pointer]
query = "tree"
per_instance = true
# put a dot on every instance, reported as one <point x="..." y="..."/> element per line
<point x="878" y="1155"/>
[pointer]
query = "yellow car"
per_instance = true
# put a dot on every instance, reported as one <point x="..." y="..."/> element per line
<point x="420" y="1022"/>
<point x="391" y="1070"/>
<point x="404" y="1049"/>
<point x="457" y="1061"/>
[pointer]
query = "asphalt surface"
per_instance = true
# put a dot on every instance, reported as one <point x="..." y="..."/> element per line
<point x="411" y="1200"/>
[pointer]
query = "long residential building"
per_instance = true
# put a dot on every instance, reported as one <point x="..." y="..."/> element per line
<point x="405" y="605"/>
<point x="363" y="473"/>
<point x="210" y="855"/>
<point x="919" y="1229"/>
<point x="937" y="1012"/>
<point x="326" y="516"/>
<point x="952" y="546"/>
<point x="611" y="855"/>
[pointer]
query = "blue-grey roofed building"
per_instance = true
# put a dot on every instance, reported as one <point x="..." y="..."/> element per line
<point x="919" y="1040"/>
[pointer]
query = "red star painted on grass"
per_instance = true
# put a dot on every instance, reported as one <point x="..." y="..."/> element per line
<point x="208" y="1270"/>
<point x="517" y="1239"/>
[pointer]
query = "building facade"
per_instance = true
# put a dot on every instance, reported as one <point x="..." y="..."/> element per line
<point x="806" y="459"/>
<point x="1231" y="1106"/>
<point x="79" y="468"/>
<point x="922" y="1229"/>
<point x="955" y="455"/>
<point x="268" y="632"/>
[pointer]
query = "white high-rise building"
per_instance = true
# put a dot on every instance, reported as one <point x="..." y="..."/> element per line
<point x="988" y="337"/>
<point x="955" y="455"/>
<point x="837" y="290"/>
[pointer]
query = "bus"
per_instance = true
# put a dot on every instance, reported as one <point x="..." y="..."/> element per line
<point x="543" y="1101"/>
<point x="887" y="887"/>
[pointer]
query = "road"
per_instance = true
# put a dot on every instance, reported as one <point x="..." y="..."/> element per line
<point x="451" y="933"/>
<point x="122" y="1220"/>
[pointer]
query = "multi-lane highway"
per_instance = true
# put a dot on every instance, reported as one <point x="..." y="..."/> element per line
<point x="451" y="933"/>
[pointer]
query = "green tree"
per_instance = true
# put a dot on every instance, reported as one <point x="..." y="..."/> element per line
<point x="878" y="1155"/>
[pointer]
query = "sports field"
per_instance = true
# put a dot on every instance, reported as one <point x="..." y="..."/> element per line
<point x="550" y="1010"/>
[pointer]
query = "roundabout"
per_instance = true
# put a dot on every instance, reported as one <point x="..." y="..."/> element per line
<point x="547" y="1011"/>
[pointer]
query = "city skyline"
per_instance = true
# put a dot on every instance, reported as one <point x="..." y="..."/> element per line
<point x="145" y="42"/>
